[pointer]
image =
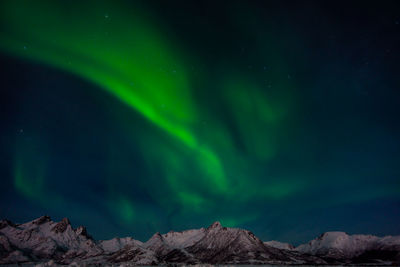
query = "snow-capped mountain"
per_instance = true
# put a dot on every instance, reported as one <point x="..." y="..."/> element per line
<point x="44" y="241"/>
<point x="174" y="240"/>
<point x="43" y="238"/>
<point x="340" y="246"/>
<point x="232" y="245"/>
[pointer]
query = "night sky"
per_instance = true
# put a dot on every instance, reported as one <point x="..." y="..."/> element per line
<point x="132" y="117"/>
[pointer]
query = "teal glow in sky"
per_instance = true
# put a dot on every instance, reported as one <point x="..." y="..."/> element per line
<point x="136" y="117"/>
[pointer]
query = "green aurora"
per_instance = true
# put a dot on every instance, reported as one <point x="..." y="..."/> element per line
<point x="215" y="143"/>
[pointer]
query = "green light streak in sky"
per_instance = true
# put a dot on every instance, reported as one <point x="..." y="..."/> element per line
<point x="155" y="119"/>
<point x="255" y="118"/>
<point x="29" y="170"/>
<point x="123" y="55"/>
<point x="125" y="209"/>
<point x="27" y="181"/>
<point x="119" y="50"/>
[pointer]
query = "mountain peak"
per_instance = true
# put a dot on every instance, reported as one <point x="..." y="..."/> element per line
<point x="41" y="220"/>
<point x="157" y="235"/>
<point x="60" y="227"/>
<point x="333" y="234"/>
<point x="5" y="223"/>
<point x="214" y="225"/>
<point x="81" y="230"/>
<point x="156" y="238"/>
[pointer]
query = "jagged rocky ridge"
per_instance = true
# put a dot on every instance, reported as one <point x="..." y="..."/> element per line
<point x="43" y="240"/>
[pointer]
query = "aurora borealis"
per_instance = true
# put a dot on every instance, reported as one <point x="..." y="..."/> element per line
<point x="132" y="117"/>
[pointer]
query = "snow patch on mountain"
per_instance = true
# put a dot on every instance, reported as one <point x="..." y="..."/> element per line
<point x="343" y="245"/>
<point x="279" y="245"/>
<point x="115" y="244"/>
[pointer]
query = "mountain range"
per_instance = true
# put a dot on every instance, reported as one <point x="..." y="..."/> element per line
<point x="43" y="241"/>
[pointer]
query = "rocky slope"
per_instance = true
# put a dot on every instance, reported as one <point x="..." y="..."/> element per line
<point x="217" y="244"/>
<point x="279" y="245"/>
<point x="339" y="247"/>
<point x="43" y="240"/>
